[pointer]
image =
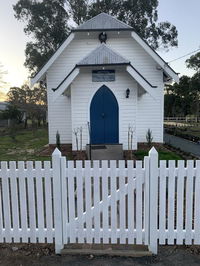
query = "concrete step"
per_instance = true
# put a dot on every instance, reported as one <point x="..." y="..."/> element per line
<point x="106" y="152"/>
<point x="106" y="249"/>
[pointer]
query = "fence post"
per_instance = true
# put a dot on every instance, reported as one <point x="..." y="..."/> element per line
<point x="153" y="201"/>
<point x="57" y="196"/>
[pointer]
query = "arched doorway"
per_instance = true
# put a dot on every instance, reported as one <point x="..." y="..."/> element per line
<point x="104" y="117"/>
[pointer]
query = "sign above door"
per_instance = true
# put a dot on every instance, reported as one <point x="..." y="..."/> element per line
<point x="103" y="75"/>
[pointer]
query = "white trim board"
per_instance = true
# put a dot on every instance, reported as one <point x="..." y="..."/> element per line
<point x="66" y="84"/>
<point x="41" y="73"/>
<point x="156" y="57"/>
<point x="142" y="82"/>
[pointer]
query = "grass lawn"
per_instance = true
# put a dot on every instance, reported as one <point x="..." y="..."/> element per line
<point x="163" y="155"/>
<point x="27" y="146"/>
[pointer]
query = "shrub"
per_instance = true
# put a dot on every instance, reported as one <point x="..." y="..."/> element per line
<point x="149" y="137"/>
<point x="58" y="140"/>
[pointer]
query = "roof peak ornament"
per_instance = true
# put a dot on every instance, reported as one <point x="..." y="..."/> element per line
<point x="103" y="37"/>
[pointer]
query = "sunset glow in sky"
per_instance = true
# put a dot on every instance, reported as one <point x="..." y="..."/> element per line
<point x="183" y="14"/>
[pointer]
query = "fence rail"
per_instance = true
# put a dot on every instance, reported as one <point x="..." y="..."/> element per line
<point x="151" y="202"/>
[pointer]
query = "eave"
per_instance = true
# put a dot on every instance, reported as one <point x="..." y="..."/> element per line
<point x="166" y="68"/>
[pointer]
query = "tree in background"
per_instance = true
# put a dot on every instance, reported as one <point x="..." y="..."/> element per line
<point x="194" y="62"/>
<point x="78" y="10"/>
<point x="12" y="113"/>
<point x="178" y="98"/>
<point x="33" y="102"/>
<point x="47" y="22"/>
<point x="142" y="15"/>
<point x="184" y="98"/>
<point x="195" y="91"/>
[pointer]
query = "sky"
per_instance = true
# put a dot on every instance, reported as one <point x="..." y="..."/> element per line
<point x="183" y="14"/>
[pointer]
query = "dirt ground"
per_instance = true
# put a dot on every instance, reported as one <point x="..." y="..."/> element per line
<point x="42" y="255"/>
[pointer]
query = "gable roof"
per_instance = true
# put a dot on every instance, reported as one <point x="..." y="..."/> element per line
<point x="103" y="55"/>
<point x="108" y="23"/>
<point x="103" y="21"/>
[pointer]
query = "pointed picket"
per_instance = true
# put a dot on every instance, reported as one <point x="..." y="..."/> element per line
<point x="88" y="199"/>
<point x="105" y="201"/>
<point x="180" y="201"/>
<point x="122" y="203"/>
<point x="113" y="176"/>
<point x="23" y="201"/>
<point x="72" y="228"/>
<point x="189" y="202"/>
<point x="131" y="202"/>
<point x="48" y="200"/>
<point x="31" y="202"/>
<point x="171" y="202"/>
<point x="196" y="205"/>
<point x="6" y="201"/>
<point x="162" y="203"/>
<point x="80" y="200"/>
<point x="138" y="202"/>
<point x="14" y="201"/>
<point x="96" y="168"/>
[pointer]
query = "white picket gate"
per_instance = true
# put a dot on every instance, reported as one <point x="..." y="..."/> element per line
<point x="148" y="202"/>
<point x="105" y="203"/>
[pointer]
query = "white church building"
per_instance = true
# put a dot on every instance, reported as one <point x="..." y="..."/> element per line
<point x="106" y="76"/>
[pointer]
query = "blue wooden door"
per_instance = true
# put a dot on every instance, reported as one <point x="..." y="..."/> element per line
<point x="104" y="117"/>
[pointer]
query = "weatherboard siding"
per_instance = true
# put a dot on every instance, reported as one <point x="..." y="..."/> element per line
<point x="59" y="116"/>
<point x="149" y="111"/>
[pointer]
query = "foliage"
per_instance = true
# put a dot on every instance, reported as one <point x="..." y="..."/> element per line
<point x="32" y="101"/>
<point x="183" y="99"/>
<point x="13" y="113"/>
<point x="194" y="62"/>
<point x="149" y="137"/>
<point x="195" y="90"/>
<point x="78" y="10"/>
<point x="47" y="22"/>
<point x="142" y="15"/>
<point x="178" y="98"/>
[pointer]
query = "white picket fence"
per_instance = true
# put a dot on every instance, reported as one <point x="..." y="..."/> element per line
<point x="151" y="202"/>
<point x="26" y="197"/>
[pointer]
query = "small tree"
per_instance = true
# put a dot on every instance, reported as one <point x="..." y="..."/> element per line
<point x="149" y="137"/>
<point x="58" y="144"/>
<point x="76" y="131"/>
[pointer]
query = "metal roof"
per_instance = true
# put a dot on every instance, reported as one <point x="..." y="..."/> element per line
<point x="103" y="21"/>
<point x="103" y="55"/>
